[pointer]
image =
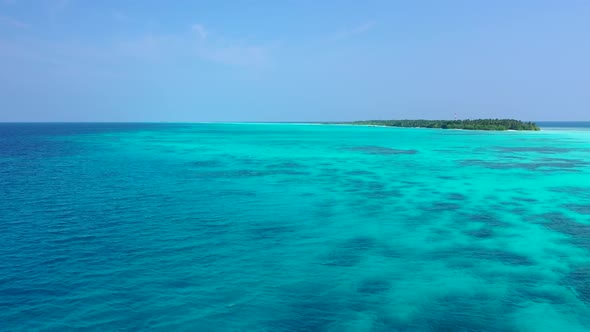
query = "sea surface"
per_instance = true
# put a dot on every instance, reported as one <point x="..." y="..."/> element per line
<point x="287" y="227"/>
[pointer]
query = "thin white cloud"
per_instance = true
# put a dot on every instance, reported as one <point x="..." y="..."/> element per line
<point x="354" y="31"/>
<point x="363" y="27"/>
<point x="234" y="54"/>
<point x="149" y="48"/>
<point x="228" y="51"/>
<point x="120" y="16"/>
<point x="200" y="30"/>
<point x="223" y="51"/>
<point x="12" y="22"/>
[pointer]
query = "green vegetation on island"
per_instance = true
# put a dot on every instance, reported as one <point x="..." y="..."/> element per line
<point x="478" y="124"/>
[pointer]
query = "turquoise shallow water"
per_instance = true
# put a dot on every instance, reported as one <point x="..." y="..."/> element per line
<point x="277" y="227"/>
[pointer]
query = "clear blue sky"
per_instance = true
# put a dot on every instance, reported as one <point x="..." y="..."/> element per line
<point x="299" y="60"/>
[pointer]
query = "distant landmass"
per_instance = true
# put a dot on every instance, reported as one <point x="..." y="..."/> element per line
<point x="478" y="124"/>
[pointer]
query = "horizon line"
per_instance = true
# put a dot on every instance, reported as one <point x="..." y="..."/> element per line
<point x="310" y="122"/>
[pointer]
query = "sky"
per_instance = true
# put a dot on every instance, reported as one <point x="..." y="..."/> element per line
<point x="293" y="60"/>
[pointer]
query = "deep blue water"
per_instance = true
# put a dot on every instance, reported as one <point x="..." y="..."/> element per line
<point x="278" y="227"/>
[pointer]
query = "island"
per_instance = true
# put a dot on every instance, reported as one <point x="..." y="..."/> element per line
<point x="477" y="124"/>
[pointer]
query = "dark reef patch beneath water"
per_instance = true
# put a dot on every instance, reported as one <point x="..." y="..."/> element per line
<point x="374" y="286"/>
<point x="482" y="233"/>
<point x="571" y="165"/>
<point x="288" y="164"/>
<point x="473" y="255"/>
<point x="579" y="279"/>
<point x="456" y="197"/>
<point x="441" y="207"/>
<point x="536" y="149"/>
<point x="205" y="163"/>
<point x="359" y="172"/>
<point x="525" y="199"/>
<point x="579" y="208"/>
<point x="379" y="150"/>
<point x="250" y="173"/>
<point x="579" y="233"/>
<point x="350" y="252"/>
<point x="307" y="312"/>
<point x="582" y="192"/>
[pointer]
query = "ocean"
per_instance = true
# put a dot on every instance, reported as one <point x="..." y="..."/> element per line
<point x="293" y="227"/>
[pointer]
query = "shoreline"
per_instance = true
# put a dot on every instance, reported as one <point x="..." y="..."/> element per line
<point x="464" y="124"/>
<point x="460" y="129"/>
